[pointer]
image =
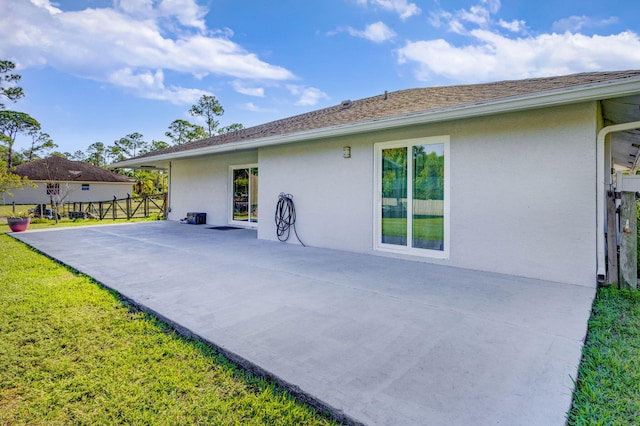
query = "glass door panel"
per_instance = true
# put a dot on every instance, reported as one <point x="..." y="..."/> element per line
<point x="253" y="195"/>
<point x="428" y="197"/>
<point x="241" y="195"/>
<point x="394" y="196"/>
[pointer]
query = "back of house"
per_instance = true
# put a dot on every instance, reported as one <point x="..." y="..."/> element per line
<point x="507" y="177"/>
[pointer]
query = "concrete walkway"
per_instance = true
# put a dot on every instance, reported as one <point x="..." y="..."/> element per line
<point x="385" y="341"/>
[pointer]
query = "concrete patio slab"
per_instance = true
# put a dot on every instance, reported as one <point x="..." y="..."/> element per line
<point x="385" y="341"/>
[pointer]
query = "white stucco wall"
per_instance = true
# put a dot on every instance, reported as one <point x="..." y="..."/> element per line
<point x="72" y="191"/>
<point x="333" y="196"/>
<point x="201" y="185"/>
<point x="522" y="191"/>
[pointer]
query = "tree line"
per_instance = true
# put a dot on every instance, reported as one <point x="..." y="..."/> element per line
<point x="179" y="132"/>
<point x="16" y="123"/>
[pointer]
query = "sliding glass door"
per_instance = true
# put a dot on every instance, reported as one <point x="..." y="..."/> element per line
<point x="412" y="202"/>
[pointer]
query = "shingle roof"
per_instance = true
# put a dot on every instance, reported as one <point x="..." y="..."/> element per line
<point x="56" y="168"/>
<point x="400" y="103"/>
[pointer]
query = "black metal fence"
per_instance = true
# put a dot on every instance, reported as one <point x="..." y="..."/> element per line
<point x="118" y="208"/>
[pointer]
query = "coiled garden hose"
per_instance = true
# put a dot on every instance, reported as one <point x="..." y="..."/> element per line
<point x="286" y="217"/>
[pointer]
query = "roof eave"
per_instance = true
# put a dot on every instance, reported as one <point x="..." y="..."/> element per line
<point x="564" y="96"/>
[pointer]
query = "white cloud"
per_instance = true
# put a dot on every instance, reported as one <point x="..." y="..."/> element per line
<point x="492" y="5"/>
<point x="456" y="26"/>
<point x="187" y="12"/>
<point x="46" y="4"/>
<point x="135" y="7"/>
<point x="476" y="14"/>
<point x="99" y="43"/>
<point x="239" y="87"/>
<point x="250" y="106"/>
<point x="376" y="32"/>
<point x="492" y="56"/>
<point x="479" y="15"/>
<point x="150" y="85"/>
<point x="514" y="26"/>
<point x="401" y="7"/>
<point x="577" y="23"/>
<point x="307" y="96"/>
<point x="492" y="52"/>
<point x="436" y="18"/>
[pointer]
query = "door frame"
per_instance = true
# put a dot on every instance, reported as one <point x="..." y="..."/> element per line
<point x="230" y="195"/>
<point x="378" y="245"/>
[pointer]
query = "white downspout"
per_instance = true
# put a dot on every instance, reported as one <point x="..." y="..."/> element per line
<point x="600" y="200"/>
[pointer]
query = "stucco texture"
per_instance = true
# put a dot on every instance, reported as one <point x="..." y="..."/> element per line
<point x="202" y="185"/>
<point x="522" y="191"/>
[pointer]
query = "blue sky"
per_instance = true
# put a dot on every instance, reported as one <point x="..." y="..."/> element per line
<point x="97" y="70"/>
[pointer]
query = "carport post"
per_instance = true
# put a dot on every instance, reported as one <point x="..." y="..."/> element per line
<point x="612" y="239"/>
<point x="628" y="242"/>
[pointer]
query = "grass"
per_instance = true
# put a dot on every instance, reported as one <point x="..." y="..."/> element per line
<point x="72" y="352"/>
<point x="431" y="228"/>
<point x="43" y="223"/>
<point x="7" y="209"/>
<point x="608" y="388"/>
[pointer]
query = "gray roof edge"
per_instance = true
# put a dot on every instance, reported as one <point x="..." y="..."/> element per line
<point x="563" y="96"/>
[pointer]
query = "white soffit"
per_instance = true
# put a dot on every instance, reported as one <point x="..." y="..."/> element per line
<point x="625" y="145"/>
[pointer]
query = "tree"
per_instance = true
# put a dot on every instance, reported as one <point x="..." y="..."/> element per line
<point x="114" y="153"/>
<point x="231" y="128"/>
<point x="10" y="181"/>
<point x="11" y="124"/>
<point x="64" y="154"/>
<point x="17" y="158"/>
<point x="208" y="107"/>
<point x="129" y="145"/>
<point x="182" y="131"/>
<point x="145" y="182"/>
<point x="40" y="141"/>
<point x="13" y="93"/>
<point x="78" y="155"/>
<point x="154" y="145"/>
<point x="97" y="154"/>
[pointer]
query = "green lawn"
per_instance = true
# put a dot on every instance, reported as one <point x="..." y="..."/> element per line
<point x="72" y="352"/>
<point x="7" y="209"/>
<point x="431" y="228"/>
<point x="608" y="388"/>
<point x="43" y="223"/>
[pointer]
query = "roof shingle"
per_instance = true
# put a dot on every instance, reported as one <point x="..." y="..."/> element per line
<point x="56" y="168"/>
<point x="402" y="102"/>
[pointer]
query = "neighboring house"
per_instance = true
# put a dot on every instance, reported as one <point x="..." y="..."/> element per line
<point x="64" y="180"/>
<point x="507" y="177"/>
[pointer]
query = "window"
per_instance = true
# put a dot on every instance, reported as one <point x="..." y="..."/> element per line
<point x="244" y="195"/>
<point x="412" y="199"/>
<point x="85" y="186"/>
<point x="53" y="189"/>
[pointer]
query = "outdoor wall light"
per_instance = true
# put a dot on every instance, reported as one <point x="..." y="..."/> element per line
<point x="346" y="152"/>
